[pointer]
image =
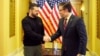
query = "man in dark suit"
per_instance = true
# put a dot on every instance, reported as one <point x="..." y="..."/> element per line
<point x="74" y="37"/>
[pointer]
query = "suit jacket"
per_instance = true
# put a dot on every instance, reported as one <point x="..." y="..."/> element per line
<point x="74" y="36"/>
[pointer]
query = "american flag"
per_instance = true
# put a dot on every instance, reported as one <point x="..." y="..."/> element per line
<point x="50" y="15"/>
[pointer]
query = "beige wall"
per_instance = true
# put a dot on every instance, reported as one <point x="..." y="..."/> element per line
<point x="93" y="41"/>
<point x="1" y="28"/>
<point x="10" y="45"/>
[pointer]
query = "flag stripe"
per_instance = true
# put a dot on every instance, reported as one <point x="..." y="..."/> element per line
<point x="54" y="19"/>
<point x="47" y="7"/>
<point x="48" y="18"/>
<point x="45" y="22"/>
<point x="53" y="23"/>
<point x="56" y="11"/>
<point x="74" y="11"/>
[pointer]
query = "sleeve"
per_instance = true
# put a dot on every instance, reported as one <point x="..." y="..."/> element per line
<point x="82" y="36"/>
<point x="28" y="30"/>
<point x="42" y="31"/>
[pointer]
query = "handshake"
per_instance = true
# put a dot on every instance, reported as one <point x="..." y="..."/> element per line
<point x="46" y="38"/>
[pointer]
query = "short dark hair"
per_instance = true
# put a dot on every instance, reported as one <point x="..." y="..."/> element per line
<point x="31" y="5"/>
<point x="66" y="5"/>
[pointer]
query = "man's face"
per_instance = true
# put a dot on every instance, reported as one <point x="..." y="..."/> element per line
<point x="63" y="12"/>
<point x="34" y="12"/>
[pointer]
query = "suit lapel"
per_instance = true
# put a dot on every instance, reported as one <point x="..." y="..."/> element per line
<point x="62" y="25"/>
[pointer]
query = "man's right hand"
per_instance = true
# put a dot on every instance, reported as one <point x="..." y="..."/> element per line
<point x="46" y="38"/>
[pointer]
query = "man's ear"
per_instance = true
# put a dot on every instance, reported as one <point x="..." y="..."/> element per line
<point x="30" y="11"/>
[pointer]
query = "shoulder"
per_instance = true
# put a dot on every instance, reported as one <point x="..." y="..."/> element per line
<point x="39" y="18"/>
<point x="77" y="18"/>
<point x="79" y="21"/>
<point x="25" y="19"/>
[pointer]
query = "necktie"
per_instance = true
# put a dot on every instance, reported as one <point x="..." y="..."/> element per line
<point x="65" y="23"/>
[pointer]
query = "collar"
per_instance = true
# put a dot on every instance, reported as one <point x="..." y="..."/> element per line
<point x="69" y="16"/>
<point x="31" y="17"/>
<point x="28" y="16"/>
